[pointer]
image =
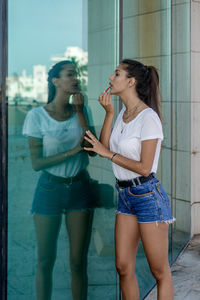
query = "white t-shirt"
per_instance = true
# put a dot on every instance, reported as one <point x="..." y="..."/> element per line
<point x="57" y="137"/>
<point x="145" y="126"/>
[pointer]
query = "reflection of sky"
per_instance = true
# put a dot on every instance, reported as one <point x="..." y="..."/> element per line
<point x="38" y="29"/>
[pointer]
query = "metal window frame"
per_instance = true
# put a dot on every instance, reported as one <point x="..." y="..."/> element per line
<point x="3" y="148"/>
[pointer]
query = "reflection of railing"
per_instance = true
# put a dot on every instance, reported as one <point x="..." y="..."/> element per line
<point x="23" y="101"/>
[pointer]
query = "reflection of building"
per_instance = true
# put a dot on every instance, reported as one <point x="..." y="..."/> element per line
<point x="26" y="88"/>
<point x="79" y="54"/>
<point x="80" y="57"/>
<point x="40" y="82"/>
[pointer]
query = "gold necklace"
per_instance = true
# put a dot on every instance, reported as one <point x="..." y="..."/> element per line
<point x="132" y="113"/>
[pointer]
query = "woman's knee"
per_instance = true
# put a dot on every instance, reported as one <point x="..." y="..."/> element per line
<point x="46" y="263"/>
<point x="78" y="264"/>
<point x="161" y="273"/>
<point x="124" y="267"/>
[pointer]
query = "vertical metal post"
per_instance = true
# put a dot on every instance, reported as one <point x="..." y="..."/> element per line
<point x="3" y="150"/>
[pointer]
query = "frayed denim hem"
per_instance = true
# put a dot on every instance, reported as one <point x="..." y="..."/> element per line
<point x="171" y="221"/>
<point x="123" y="213"/>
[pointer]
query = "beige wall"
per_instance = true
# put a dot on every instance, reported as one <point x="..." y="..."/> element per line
<point x="147" y="28"/>
<point x="147" y="37"/>
<point x="195" y="117"/>
<point x="181" y="119"/>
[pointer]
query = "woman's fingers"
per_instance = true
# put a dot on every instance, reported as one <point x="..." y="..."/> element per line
<point x="101" y="97"/>
<point x="89" y="149"/>
<point x="105" y="99"/>
<point x="92" y="137"/>
<point x="89" y="140"/>
<point x="96" y="145"/>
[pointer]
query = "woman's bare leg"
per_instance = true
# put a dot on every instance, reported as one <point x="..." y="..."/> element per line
<point x="79" y="226"/>
<point x="155" y="242"/>
<point x="47" y="230"/>
<point x="127" y="237"/>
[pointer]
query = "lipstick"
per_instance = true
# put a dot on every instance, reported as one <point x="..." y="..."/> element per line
<point x="107" y="89"/>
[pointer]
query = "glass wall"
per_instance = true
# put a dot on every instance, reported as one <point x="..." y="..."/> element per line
<point x="45" y="146"/>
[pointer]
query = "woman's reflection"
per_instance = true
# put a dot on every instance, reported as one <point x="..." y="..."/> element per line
<point x="55" y="133"/>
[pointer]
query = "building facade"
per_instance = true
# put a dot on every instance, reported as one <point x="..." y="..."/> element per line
<point x="163" y="33"/>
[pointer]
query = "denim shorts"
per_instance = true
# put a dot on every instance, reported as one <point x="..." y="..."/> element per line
<point x="148" y="202"/>
<point x="53" y="198"/>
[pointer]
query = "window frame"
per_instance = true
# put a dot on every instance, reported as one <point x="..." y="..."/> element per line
<point x="3" y="148"/>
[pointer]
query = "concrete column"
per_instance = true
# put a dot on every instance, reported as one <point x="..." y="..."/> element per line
<point x="195" y="117"/>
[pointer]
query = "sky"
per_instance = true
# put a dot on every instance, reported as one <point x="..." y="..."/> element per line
<point x="39" y="29"/>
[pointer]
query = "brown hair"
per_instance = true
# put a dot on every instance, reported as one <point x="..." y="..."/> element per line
<point x="147" y="82"/>
<point x="54" y="72"/>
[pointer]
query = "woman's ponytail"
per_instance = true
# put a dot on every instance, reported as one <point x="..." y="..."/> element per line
<point x="147" y="83"/>
<point x="153" y="96"/>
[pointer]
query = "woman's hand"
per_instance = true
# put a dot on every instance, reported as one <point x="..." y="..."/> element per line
<point x="105" y="100"/>
<point x="78" y="102"/>
<point x="97" y="146"/>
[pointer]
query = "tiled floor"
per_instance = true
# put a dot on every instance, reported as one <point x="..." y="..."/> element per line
<point x="186" y="273"/>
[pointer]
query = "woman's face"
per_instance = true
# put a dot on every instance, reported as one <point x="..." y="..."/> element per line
<point x="68" y="82"/>
<point x="119" y="81"/>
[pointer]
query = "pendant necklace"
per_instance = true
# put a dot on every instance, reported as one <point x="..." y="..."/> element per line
<point x="131" y="113"/>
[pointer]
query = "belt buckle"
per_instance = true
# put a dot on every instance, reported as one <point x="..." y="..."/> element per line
<point x="69" y="181"/>
<point x="133" y="182"/>
<point x="138" y="180"/>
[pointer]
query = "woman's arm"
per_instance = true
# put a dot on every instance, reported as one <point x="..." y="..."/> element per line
<point x="145" y="164"/>
<point x="106" y="130"/>
<point x="78" y="104"/>
<point x="105" y="100"/>
<point x="39" y="162"/>
<point x="142" y="167"/>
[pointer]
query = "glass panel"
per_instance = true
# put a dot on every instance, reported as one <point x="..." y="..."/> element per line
<point x="48" y="172"/>
<point x="102" y="60"/>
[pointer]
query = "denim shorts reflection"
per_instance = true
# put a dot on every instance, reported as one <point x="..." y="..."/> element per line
<point x="54" y="198"/>
<point x="148" y="202"/>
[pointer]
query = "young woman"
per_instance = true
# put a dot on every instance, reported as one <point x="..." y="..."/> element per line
<point x="55" y="133"/>
<point x="133" y="146"/>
